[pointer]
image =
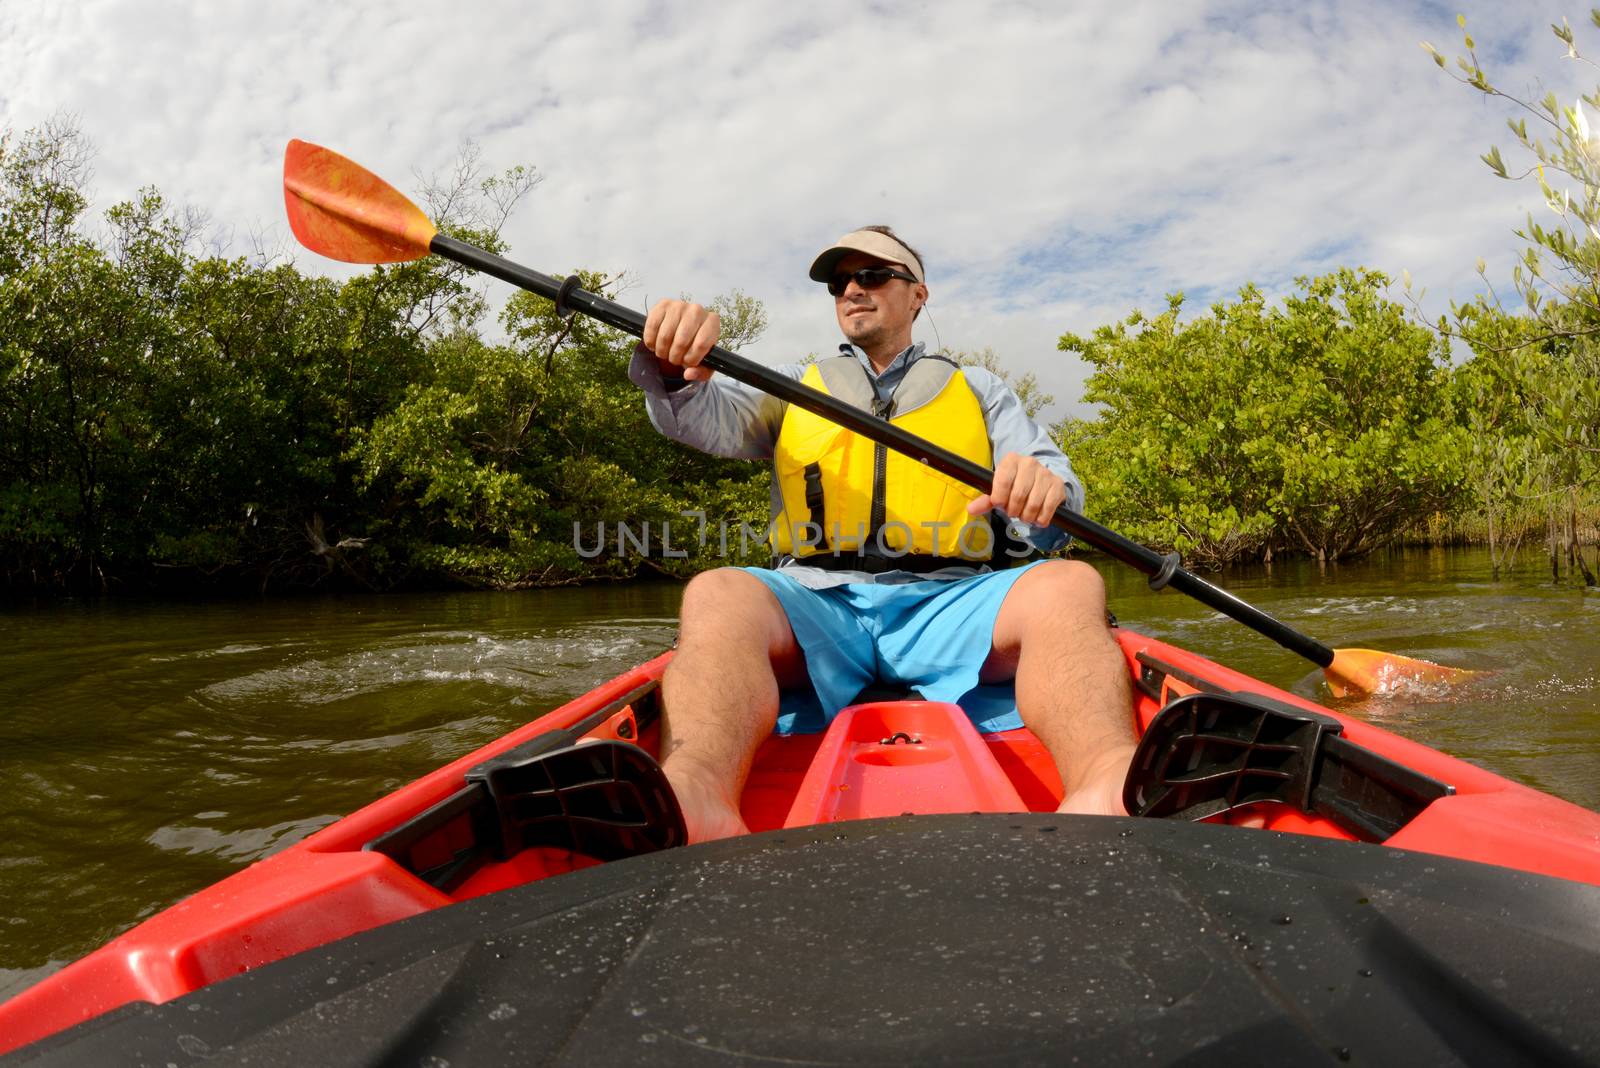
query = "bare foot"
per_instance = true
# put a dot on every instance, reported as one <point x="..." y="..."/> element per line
<point x="1100" y="791"/>
<point x="707" y="813"/>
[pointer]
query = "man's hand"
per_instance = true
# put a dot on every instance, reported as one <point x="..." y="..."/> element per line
<point x="680" y="334"/>
<point x="1023" y="489"/>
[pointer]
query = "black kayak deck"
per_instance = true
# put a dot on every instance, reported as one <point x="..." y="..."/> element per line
<point x="934" y="939"/>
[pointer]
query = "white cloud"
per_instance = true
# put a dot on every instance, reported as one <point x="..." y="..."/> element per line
<point x="1058" y="164"/>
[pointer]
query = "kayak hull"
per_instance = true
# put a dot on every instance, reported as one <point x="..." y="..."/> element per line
<point x="1023" y="938"/>
<point x="338" y="882"/>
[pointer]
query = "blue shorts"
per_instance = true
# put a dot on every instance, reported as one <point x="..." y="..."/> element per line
<point x="931" y="637"/>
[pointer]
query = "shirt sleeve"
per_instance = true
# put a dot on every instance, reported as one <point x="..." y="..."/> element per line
<point x="720" y="416"/>
<point x="1012" y="430"/>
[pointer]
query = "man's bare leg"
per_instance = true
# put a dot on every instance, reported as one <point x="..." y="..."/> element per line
<point x="1073" y="688"/>
<point x="720" y="694"/>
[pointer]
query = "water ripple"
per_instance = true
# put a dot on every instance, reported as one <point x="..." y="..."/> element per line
<point x="249" y="843"/>
<point x="516" y="664"/>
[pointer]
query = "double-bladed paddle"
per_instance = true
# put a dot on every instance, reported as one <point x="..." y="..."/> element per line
<point x="343" y="211"/>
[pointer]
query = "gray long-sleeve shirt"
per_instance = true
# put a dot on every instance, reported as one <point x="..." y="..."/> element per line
<point x="728" y="418"/>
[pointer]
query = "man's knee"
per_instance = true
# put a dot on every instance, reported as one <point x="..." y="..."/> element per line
<point x="1052" y="605"/>
<point x="723" y="590"/>
<point x="731" y="600"/>
<point x="1063" y="586"/>
<point x="730" y="608"/>
<point x="1047" y="599"/>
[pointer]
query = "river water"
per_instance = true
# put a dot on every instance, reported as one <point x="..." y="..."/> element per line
<point x="149" y="749"/>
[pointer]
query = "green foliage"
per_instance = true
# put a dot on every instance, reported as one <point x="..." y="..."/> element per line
<point x="507" y="457"/>
<point x="1533" y="384"/>
<point x="1325" y="426"/>
<point x="167" y="417"/>
<point x="74" y="466"/>
<point x="743" y="317"/>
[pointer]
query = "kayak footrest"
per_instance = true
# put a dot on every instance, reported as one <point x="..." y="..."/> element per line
<point x="604" y="799"/>
<point x="1208" y="753"/>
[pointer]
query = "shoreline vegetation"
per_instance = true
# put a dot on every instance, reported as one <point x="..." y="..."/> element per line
<point x="176" y="420"/>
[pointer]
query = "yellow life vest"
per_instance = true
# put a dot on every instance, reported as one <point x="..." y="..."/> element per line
<point x="837" y="492"/>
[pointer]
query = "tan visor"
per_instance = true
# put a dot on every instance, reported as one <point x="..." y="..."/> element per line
<point x="872" y="243"/>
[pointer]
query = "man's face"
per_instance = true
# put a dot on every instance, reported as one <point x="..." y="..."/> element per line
<point x="873" y="316"/>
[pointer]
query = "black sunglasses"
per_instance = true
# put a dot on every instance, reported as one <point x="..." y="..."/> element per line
<point x="866" y="278"/>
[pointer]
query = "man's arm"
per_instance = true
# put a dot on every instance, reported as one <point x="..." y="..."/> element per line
<point x="719" y="416"/>
<point x="1032" y="475"/>
<point x="686" y="402"/>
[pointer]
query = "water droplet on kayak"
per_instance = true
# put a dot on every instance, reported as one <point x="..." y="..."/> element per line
<point x="194" y="1045"/>
<point x="1126" y="833"/>
<point x="1283" y="920"/>
<point x="1365" y="973"/>
<point x="1049" y="828"/>
<point x="1342" y="1052"/>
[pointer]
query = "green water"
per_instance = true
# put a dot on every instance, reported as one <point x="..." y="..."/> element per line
<point x="147" y="750"/>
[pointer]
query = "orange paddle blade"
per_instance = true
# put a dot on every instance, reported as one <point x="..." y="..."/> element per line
<point x="342" y="210"/>
<point x="1359" y="671"/>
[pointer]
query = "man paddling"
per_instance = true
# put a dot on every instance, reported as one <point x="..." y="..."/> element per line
<point x="881" y="572"/>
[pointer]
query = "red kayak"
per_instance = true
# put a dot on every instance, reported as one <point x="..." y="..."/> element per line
<point x="536" y="807"/>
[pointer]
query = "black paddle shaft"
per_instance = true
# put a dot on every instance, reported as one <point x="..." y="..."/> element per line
<point x="569" y="297"/>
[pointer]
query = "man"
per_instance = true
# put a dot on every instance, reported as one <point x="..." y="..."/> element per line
<point x="877" y="572"/>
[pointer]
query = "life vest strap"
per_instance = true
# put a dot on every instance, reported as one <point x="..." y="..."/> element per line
<point x="814" y="502"/>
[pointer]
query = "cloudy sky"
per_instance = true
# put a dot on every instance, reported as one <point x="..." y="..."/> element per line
<point x="1059" y="164"/>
